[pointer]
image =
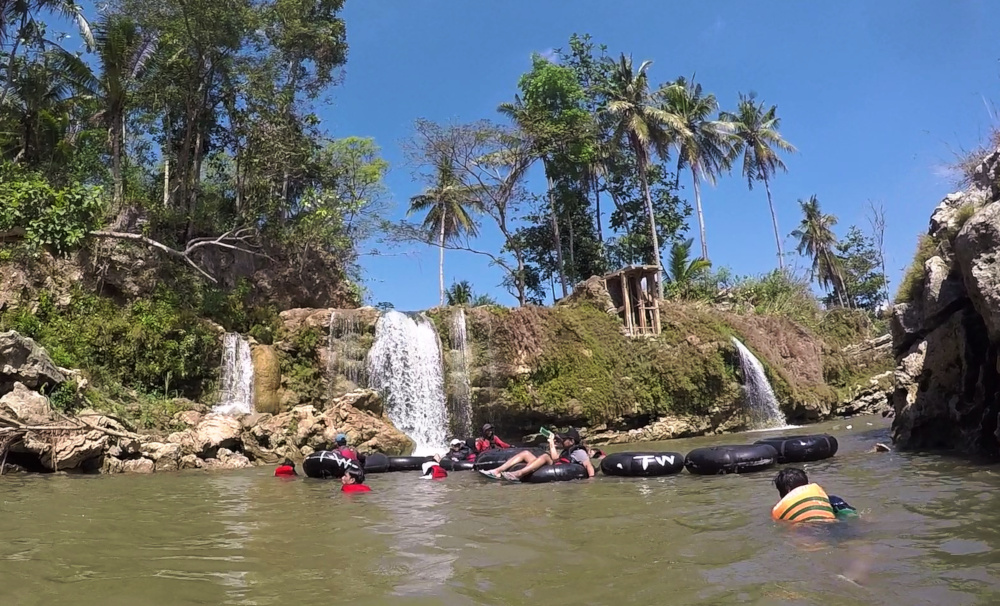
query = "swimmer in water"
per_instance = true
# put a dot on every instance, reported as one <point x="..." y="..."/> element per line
<point x="285" y="470"/>
<point x="353" y="480"/>
<point x="805" y="502"/>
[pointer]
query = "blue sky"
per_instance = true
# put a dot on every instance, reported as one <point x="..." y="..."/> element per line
<point x="877" y="96"/>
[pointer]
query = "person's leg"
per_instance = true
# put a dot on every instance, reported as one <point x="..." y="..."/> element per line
<point x="525" y="456"/>
<point x="532" y="466"/>
<point x="437" y="458"/>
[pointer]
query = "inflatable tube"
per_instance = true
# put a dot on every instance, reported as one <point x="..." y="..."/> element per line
<point x="730" y="459"/>
<point x="453" y="465"/>
<point x="376" y="462"/>
<point x="325" y="464"/>
<point x="642" y="464"/>
<point x="407" y="463"/>
<point x="801" y="449"/>
<point x="556" y="473"/>
<point x="495" y="457"/>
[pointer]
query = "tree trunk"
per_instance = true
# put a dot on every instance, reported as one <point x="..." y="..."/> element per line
<point x="556" y="242"/>
<point x="701" y="217"/>
<point x="522" y="299"/>
<point x="774" y="221"/>
<point x="652" y="219"/>
<point x="597" y="203"/>
<point x="166" y="182"/>
<point x="116" y="166"/>
<point x="441" y="260"/>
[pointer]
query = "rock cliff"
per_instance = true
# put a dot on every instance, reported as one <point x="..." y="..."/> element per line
<point x="946" y="325"/>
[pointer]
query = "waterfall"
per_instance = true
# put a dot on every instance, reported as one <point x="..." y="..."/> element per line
<point x="460" y="393"/>
<point x="404" y="364"/>
<point x="761" y="405"/>
<point x="347" y="356"/>
<point x="236" y="395"/>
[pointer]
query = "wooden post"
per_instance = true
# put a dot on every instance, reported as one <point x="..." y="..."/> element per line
<point x="628" y="305"/>
<point x="641" y="296"/>
<point x="655" y="292"/>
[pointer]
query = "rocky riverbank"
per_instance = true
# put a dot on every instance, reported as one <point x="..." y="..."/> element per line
<point x="946" y="325"/>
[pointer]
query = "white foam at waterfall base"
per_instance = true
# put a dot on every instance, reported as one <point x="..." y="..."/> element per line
<point x="404" y="363"/>
<point x="236" y="394"/>
<point x="462" y="391"/>
<point x="761" y="405"/>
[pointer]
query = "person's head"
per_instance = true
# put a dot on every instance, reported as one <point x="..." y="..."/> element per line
<point x="288" y="463"/>
<point x="487" y="431"/>
<point x="353" y="475"/>
<point x="570" y="438"/>
<point x="341" y="439"/>
<point x="789" y="479"/>
<point x="595" y="453"/>
<point x="432" y="471"/>
<point x="456" y="444"/>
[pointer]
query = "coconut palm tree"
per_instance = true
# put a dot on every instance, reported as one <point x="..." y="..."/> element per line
<point x="645" y="126"/>
<point x="816" y="240"/>
<point x="682" y="269"/>
<point x="449" y="205"/>
<point x="124" y="52"/>
<point x="704" y="144"/>
<point x="758" y="139"/>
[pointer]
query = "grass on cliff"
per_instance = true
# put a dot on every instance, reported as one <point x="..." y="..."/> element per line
<point x="911" y="288"/>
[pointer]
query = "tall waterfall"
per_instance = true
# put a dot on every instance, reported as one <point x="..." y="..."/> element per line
<point x="236" y="395"/>
<point x="460" y="395"/>
<point x="404" y="363"/>
<point x="347" y="357"/>
<point x="761" y="405"/>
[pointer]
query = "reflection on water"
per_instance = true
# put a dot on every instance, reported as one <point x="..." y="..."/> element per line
<point x="927" y="536"/>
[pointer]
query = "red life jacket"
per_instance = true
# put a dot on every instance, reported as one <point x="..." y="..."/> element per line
<point x="355" y="488"/>
<point x="349" y="453"/>
<point x="284" y="471"/>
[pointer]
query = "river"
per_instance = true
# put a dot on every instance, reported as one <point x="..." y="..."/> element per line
<point x="927" y="535"/>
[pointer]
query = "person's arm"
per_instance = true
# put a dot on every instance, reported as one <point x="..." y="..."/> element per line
<point x="501" y="443"/>
<point x="552" y="448"/>
<point x="589" y="467"/>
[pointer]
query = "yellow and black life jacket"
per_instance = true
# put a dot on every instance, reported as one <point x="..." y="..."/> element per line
<point x="804" y="504"/>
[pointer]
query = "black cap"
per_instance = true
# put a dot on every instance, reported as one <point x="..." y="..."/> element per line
<point x="569" y="434"/>
<point x="487" y="427"/>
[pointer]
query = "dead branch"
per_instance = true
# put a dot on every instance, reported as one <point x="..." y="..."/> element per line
<point x="241" y="239"/>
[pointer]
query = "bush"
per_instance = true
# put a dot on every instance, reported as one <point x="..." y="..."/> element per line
<point x="911" y="288"/>
<point x="57" y="219"/>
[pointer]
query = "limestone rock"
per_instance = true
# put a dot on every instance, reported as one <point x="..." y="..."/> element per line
<point x="64" y="451"/>
<point x="165" y="456"/>
<point x="873" y="398"/>
<point x="592" y="291"/>
<point x="189" y="418"/>
<point x="27" y="406"/>
<point x="190" y="462"/>
<point x="22" y="360"/>
<point x="215" y="431"/>
<point x="944" y="217"/>
<point x="941" y="291"/>
<point x="363" y="399"/>
<point x="977" y="248"/>
<point x="266" y="379"/>
<point x="905" y="323"/>
<point x="227" y="459"/>
<point x="138" y="466"/>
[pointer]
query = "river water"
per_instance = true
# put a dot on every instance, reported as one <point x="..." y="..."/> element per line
<point x="927" y="535"/>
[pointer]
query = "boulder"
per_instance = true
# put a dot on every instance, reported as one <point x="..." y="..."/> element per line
<point x="190" y="462"/>
<point x="63" y="451"/>
<point x="215" y="431"/>
<point x="22" y="360"/>
<point x="138" y="466"/>
<point x="944" y="218"/>
<point x="905" y="323"/>
<point x="188" y="418"/>
<point x="367" y="400"/>
<point x="976" y="249"/>
<point x="266" y="379"/>
<point x="227" y="459"/>
<point x="27" y="406"/>
<point x="165" y="456"/>
<point x="941" y="290"/>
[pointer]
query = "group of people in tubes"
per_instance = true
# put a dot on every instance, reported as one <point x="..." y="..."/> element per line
<point x="800" y="499"/>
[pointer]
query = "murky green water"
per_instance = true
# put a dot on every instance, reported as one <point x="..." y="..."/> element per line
<point x="927" y="537"/>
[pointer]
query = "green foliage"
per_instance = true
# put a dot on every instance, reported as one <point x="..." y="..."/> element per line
<point x="858" y="259"/>
<point x="64" y="397"/>
<point x="54" y="218"/>
<point x="911" y="288"/>
<point x="152" y="345"/>
<point x="234" y="312"/>
<point x="817" y="240"/>
<point x="300" y="367"/>
<point x="682" y="270"/>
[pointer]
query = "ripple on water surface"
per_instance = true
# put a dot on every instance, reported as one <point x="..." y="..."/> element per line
<point x="927" y="537"/>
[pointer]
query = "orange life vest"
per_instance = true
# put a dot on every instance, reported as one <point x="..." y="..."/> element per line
<point x="804" y="504"/>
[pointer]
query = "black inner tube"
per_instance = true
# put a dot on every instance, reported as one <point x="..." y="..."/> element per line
<point x="556" y="473"/>
<point x="802" y="449"/>
<point x="731" y="459"/>
<point x="642" y="464"/>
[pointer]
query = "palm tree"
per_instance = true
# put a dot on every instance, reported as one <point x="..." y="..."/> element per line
<point x="124" y="52"/>
<point x="460" y="293"/>
<point x="758" y="139"/>
<point x="683" y="269"/>
<point x="644" y="125"/>
<point x="816" y="240"/>
<point x="541" y="145"/>
<point x="449" y="205"/>
<point x="704" y="144"/>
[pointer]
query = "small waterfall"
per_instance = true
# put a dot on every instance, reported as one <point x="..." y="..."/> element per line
<point x="347" y="356"/>
<point x="236" y="395"/>
<point x="460" y="395"/>
<point x="404" y="363"/>
<point x="761" y="405"/>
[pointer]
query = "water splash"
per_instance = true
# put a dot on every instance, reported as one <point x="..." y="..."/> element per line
<point x="760" y="404"/>
<point x="347" y="356"/>
<point x="236" y="395"/>
<point x="404" y="364"/>
<point x="460" y="393"/>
